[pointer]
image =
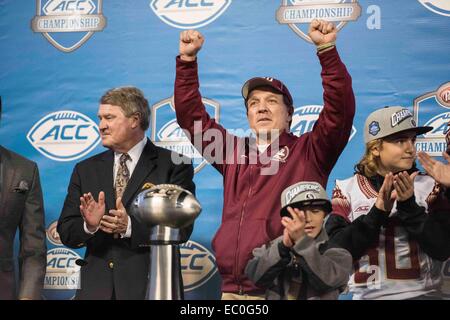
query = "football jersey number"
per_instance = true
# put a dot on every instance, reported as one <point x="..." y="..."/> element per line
<point x="392" y="272"/>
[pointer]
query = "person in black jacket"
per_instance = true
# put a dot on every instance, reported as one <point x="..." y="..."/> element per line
<point x="100" y="194"/>
<point x="21" y="208"/>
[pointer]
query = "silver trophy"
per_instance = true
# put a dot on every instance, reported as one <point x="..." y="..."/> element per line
<point x="165" y="208"/>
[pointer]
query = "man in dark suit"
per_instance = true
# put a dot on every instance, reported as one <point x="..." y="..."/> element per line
<point x="100" y="194"/>
<point x="21" y="206"/>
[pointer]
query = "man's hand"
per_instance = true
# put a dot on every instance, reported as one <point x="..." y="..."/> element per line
<point x="438" y="170"/>
<point x="404" y="185"/>
<point x="322" y="32"/>
<point x="92" y="211"/>
<point x="387" y="194"/>
<point x="191" y="41"/>
<point x="116" y="221"/>
<point x="295" y="227"/>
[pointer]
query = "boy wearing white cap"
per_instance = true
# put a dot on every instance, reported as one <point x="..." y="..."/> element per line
<point x="301" y="264"/>
<point x="387" y="191"/>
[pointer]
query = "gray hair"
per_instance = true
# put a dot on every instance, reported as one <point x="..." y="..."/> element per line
<point x="131" y="100"/>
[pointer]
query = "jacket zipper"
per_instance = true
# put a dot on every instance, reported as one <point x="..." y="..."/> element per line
<point x="236" y="269"/>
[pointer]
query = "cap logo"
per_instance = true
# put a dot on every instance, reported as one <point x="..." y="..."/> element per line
<point x="374" y="128"/>
<point x="268" y="79"/>
<point x="292" y="193"/>
<point x="399" y="116"/>
<point x="310" y="196"/>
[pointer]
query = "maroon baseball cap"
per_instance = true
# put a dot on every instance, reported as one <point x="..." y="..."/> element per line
<point x="254" y="83"/>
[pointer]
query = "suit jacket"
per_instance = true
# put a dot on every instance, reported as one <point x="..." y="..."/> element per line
<point x="120" y="264"/>
<point x="21" y="206"/>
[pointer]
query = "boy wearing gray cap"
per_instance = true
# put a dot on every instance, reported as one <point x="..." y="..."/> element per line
<point x="389" y="196"/>
<point x="301" y="264"/>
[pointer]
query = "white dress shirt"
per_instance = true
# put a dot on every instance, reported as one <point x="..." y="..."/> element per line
<point x="134" y="153"/>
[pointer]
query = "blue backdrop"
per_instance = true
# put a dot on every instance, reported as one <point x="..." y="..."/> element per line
<point x="58" y="57"/>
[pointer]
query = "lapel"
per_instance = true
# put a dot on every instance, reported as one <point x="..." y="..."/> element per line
<point x="106" y="179"/>
<point x="8" y="173"/>
<point x="145" y="165"/>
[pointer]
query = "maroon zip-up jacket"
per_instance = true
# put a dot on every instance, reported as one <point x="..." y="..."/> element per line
<point x="251" y="209"/>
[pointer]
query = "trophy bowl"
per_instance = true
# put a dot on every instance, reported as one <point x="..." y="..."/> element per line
<point x="166" y="205"/>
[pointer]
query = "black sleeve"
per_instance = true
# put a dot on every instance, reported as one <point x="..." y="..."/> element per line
<point x="431" y="231"/>
<point x="357" y="236"/>
<point x="70" y="223"/>
<point x="33" y="248"/>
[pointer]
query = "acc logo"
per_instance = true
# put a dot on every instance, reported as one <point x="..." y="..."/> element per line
<point x="67" y="24"/>
<point x="441" y="7"/>
<point x="198" y="265"/>
<point x="62" y="272"/>
<point x="166" y="133"/>
<point x="305" y="117"/>
<point x="53" y="235"/>
<point x="433" y="109"/>
<point x="189" y="14"/>
<point x="297" y="12"/>
<point x="64" y="135"/>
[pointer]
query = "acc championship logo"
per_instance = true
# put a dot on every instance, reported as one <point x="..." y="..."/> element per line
<point x="62" y="272"/>
<point x="167" y="134"/>
<point x="305" y="117"/>
<point x="297" y="12"/>
<point x="189" y="14"/>
<point x="433" y="109"/>
<point x="64" y="135"/>
<point x="53" y="235"/>
<point x="441" y="7"/>
<point x="198" y="265"/>
<point x="67" y="24"/>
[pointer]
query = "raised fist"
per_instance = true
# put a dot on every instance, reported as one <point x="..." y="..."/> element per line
<point x="191" y="41"/>
<point x="321" y="32"/>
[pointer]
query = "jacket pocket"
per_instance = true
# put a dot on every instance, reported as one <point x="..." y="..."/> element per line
<point x="253" y="235"/>
<point x="224" y="245"/>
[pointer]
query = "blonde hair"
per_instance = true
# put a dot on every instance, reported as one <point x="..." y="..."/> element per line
<point x="369" y="164"/>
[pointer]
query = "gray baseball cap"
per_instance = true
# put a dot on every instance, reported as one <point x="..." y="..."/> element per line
<point x="389" y="120"/>
<point x="304" y="194"/>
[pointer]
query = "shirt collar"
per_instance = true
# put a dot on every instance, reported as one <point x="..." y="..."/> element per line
<point x="134" y="153"/>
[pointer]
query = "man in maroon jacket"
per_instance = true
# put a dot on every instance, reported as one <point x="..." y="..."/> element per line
<point x="256" y="171"/>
